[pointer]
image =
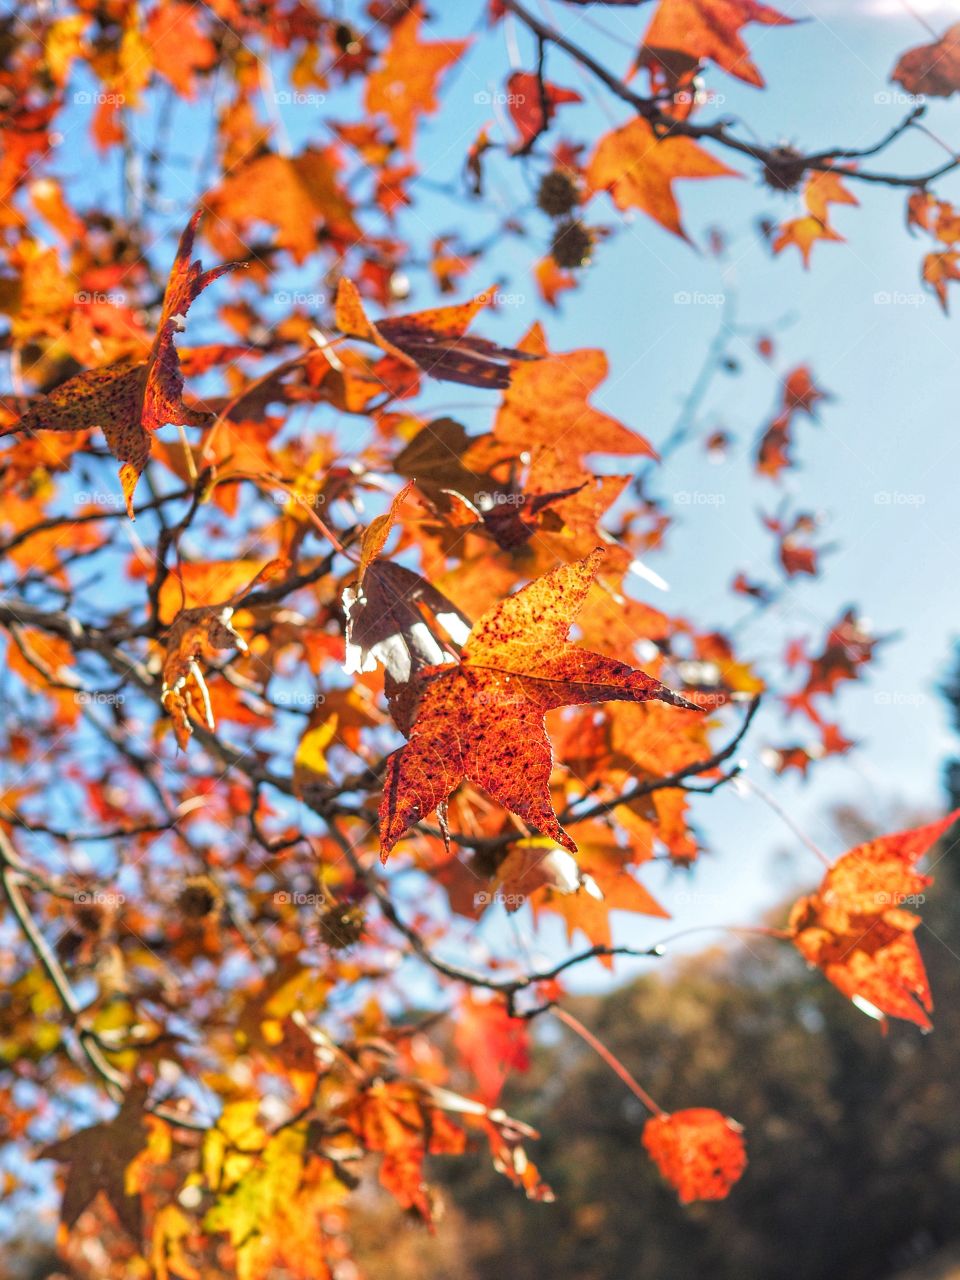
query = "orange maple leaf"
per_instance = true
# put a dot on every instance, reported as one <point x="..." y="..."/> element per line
<point x="856" y="929"/>
<point x="404" y="85"/>
<point x="177" y="46"/>
<point x="546" y="411"/>
<point x="708" y="29"/>
<point x="938" y="270"/>
<point x="128" y="401"/>
<point x="699" y="1151"/>
<point x="483" y="718"/>
<point x="821" y="190"/>
<point x="638" y="168"/>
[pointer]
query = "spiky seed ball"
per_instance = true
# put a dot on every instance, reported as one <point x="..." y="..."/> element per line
<point x="572" y="244"/>
<point x="340" y="926"/>
<point x="558" y="193"/>
<point x="198" y="898"/>
<point x="784" y="169"/>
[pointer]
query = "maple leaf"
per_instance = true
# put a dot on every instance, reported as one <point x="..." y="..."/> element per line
<point x="299" y="195"/>
<point x="98" y="1158"/>
<point x="128" y="401"/>
<point x="708" y="29"/>
<point x="938" y="271"/>
<point x="404" y="85"/>
<point x="483" y="719"/>
<point x="397" y="1119"/>
<point x="821" y="190"/>
<point x="638" y="168"/>
<point x="434" y="341"/>
<point x="491" y="1044"/>
<point x="532" y="107"/>
<point x="856" y="929"/>
<point x="932" y="70"/>
<point x="177" y="46"/>
<point x="699" y="1151"/>
<point x="546" y="412"/>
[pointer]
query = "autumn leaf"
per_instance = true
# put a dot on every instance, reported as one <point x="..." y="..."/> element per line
<point x="491" y="1044"/>
<point x="822" y="189"/>
<point x="404" y="86"/>
<point x="482" y="719"/>
<point x="708" y="29"/>
<point x="699" y="1151"/>
<point x="932" y="70"/>
<point x="532" y="107"/>
<point x="639" y="169"/>
<point x="301" y="196"/>
<point x="177" y="46"/>
<point x="128" y="401"/>
<point x="435" y="341"/>
<point x="546" y="411"/>
<point x="97" y="1160"/>
<point x="939" y="269"/>
<point x="396" y="1119"/>
<point x="857" y="930"/>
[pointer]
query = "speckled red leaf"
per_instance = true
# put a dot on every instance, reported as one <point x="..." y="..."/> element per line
<point x="483" y="719"/>
<point x="127" y="401"/>
<point x="857" y="930"/>
<point x="699" y="1151"/>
